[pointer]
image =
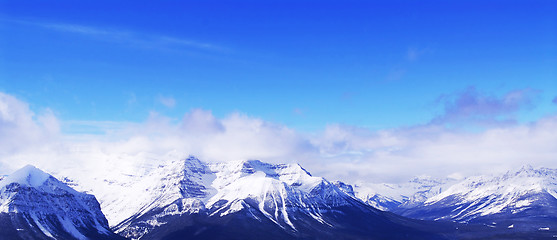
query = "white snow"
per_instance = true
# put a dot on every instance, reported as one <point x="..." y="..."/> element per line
<point x="70" y="228"/>
<point x="40" y="225"/>
<point x="522" y="203"/>
<point x="234" y="207"/>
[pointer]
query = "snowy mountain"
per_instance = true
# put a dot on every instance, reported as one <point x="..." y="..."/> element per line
<point x="247" y="200"/>
<point x="35" y="205"/>
<point x="523" y="200"/>
<point x="390" y="197"/>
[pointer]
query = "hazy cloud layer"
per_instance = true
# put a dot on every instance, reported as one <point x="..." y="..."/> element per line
<point x="436" y="151"/>
<point x="337" y="152"/>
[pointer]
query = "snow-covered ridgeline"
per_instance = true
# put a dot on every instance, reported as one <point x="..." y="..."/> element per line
<point x="514" y="191"/>
<point x="177" y="186"/>
<point x="471" y="197"/>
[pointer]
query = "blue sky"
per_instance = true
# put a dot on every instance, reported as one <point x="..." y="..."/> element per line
<point x="305" y="64"/>
<point x="352" y="90"/>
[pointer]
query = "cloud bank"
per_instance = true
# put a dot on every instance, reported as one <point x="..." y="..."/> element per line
<point x="348" y="153"/>
<point x="21" y="128"/>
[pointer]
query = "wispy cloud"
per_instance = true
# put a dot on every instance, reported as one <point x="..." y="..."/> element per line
<point x="190" y="43"/>
<point x="471" y="106"/>
<point x="132" y="99"/>
<point x="127" y="36"/>
<point x="396" y="74"/>
<point x="168" y="102"/>
<point x="81" y="29"/>
<point x="298" y="111"/>
<point x="400" y="70"/>
<point x="414" y="54"/>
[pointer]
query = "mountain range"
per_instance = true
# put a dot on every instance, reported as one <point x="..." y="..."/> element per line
<point x="522" y="201"/>
<point x="192" y="199"/>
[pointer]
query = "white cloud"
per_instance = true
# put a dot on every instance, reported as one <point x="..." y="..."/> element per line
<point x="20" y="128"/>
<point x="342" y="152"/>
<point x="398" y="154"/>
<point x="234" y="137"/>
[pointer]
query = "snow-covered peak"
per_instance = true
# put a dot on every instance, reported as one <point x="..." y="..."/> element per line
<point x="48" y="207"/>
<point x="33" y="180"/>
<point x="291" y="174"/>
<point x="29" y="176"/>
<point x="32" y="177"/>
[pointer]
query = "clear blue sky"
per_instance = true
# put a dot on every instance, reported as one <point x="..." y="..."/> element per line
<point x="305" y="64"/>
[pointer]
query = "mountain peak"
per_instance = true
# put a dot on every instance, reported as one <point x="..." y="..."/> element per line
<point x="347" y="188"/>
<point x="41" y="207"/>
<point x="526" y="171"/>
<point x="27" y="176"/>
<point x="195" y="165"/>
<point x="426" y="179"/>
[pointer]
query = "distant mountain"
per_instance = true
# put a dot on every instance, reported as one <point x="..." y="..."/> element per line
<point x="518" y="201"/>
<point x="390" y="197"/>
<point x="35" y="205"/>
<point x="255" y="200"/>
<point x="524" y="199"/>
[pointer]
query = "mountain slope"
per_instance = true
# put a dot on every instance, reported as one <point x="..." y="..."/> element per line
<point x="35" y="205"/>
